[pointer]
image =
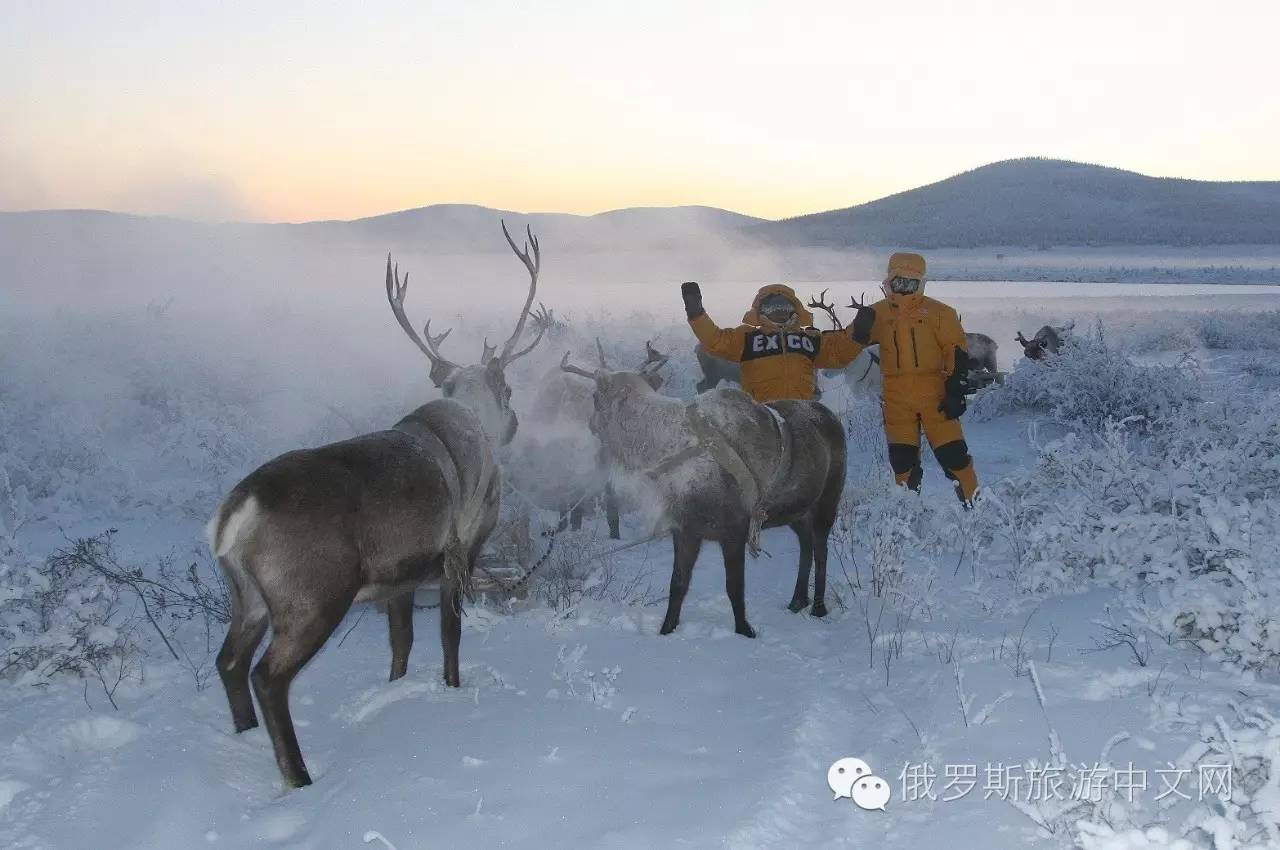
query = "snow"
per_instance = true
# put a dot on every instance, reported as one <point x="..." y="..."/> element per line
<point x="576" y="723"/>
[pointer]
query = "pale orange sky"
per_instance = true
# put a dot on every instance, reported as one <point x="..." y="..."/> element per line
<point x="339" y="110"/>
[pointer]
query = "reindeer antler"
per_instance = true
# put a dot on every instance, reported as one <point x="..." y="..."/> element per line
<point x="820" y="303"/>
<point x="604" y="361"/>
<point x="441" y="366"/>
<point x="533" y="263"/>
<point x="653" y="358"/>
<point x="574" y="370"/>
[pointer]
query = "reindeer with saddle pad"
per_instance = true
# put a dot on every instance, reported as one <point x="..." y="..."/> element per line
<point x="722" y="467"/>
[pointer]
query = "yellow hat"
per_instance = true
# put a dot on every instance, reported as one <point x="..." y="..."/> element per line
<point x="906" y="265"/>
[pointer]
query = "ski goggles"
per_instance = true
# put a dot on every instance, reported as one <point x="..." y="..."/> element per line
<point x="904" y="285"/>
<point x="777" y="306"/>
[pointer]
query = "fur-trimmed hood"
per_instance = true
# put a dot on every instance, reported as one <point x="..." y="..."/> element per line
<point x="753" y="316"/>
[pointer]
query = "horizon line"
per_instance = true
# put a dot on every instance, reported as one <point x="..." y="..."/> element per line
<point x="610" y="210"/>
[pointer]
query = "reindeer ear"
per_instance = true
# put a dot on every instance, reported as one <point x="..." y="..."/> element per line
<point x="441" y="372"/>
<point x="653" y="379"/>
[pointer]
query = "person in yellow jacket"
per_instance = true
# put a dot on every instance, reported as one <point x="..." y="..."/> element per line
<point x="924" y="362"/>
<point x="778" y="348"/>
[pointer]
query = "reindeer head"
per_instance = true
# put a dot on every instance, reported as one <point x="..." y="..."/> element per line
<point x="1046" y="341"/>
<point x="480" y="386"/>
<point x="614" y="388"/>
<point x="654" y="360"/>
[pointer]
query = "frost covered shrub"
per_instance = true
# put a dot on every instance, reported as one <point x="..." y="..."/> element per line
<point x="1222" y="595"/>
<point x="1185" y="513"/>
<point x="1089" y="383"/>
<point x="1141" y="333"/>
<point x="58" y="618"/>
<point x="1243" y="816"/>
<point x="1070" y="518"/>
<point x="1240" y="331"/>
<point x="579" y="568"/>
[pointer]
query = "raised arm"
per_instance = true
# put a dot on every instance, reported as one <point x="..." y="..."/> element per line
<point x="837" y="350"/>
<point x="725" y="343"/>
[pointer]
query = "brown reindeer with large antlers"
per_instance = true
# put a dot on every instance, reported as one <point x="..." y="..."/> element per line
<point x="313" y="531"/>
<point x="481" y="387"/>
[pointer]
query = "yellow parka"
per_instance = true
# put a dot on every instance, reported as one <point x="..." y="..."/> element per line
<point x="777" y="362"/>
<point x="918" y="338"/>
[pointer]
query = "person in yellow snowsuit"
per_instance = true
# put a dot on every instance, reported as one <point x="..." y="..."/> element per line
<point x="779" y="349"/>
<point x="924" y="361"/>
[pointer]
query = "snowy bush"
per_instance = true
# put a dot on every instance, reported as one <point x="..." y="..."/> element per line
<point x="1241" y="810"/>
<point x="1089" y="383"/>
<point x="1239" y="331"/>
<point x="1185" y="513"/>
<point x="579" y="568"/>
<point x="84" y="612"/>
<point x="1150" y="332"/>
<point x="60" y="618"/>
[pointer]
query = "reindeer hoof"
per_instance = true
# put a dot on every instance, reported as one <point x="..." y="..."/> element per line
<point x="667" y="628"/>
<point x="819" y="609"/>
<point x="745" y="630"/>
<point x="797" y="605"/>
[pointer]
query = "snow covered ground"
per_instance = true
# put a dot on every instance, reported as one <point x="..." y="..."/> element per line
<point x="1001" y="642"/>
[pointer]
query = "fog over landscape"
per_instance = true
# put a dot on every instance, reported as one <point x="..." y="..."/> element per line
<point x="262" y="385"/>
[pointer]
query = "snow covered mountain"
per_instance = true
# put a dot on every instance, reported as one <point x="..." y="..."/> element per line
<point x="1015" y="207"/>
<point x="1045" y="202"/>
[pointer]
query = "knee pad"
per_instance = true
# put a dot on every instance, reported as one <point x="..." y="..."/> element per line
<point x="952" y="456"/>
<point x="903" y="457"/>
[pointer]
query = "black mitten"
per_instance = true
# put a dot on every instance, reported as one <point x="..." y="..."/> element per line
<point x="862" y="323"/>
<point x="692" y="296"/>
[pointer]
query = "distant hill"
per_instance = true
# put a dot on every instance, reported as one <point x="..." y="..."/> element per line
<point x="1007" y="207"/>
<point x="1044" y="202"/>
<point x="466" y="228"/>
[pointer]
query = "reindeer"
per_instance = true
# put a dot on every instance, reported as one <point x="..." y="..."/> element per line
<point x="313" y="531"/>
<point x="1048" y="340"/>
<point x="722" y="467"/>
<point x="982" y="352"/>
<point x="561" y="467"/>
<point x="714" y="370"/>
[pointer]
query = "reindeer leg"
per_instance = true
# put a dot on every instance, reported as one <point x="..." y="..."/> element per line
<point x="400" y="625"/>
<point x="451" y="633"/>
<point x="800" y="598"/>
<point x="611" y="512"/>
<point x="248" y="625"/>
<point x="575" y="518"/>
<point x="820" y="539"/>
<point x="687" y="546"/>
<point x="294" y="643"/>
<point x="734" y="551"/>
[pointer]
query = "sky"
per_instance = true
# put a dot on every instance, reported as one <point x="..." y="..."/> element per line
<point x="289" y="111"/>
